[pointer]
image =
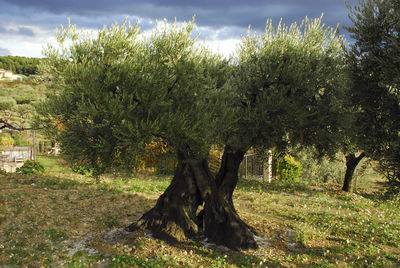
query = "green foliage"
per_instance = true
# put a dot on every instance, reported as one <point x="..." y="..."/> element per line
<point x="17" y="139"/>
<point x="77" y="168"/>
<point x="319" y="169"/>
<point x="17" y="102"/>
<point x="288" y="169"/>
<point x="389" y="166"/>
<point x="6" y="141"/>
<point x="31" y="167"/>
<point x="374" y="64"/>
<point x="20" y="65"/>
<point x="6" y="103"/>
<point x="290" y="82"/>
<point x="117" y="92"/>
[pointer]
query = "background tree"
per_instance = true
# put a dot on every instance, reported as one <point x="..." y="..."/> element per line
<point x="20" y="65"/>
<point x="375" y="64"/>
<point x="17" y="104"/>
<point x="289" y="84"/>
<point x="118" y="91"/>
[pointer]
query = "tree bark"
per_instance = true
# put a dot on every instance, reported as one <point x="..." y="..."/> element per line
<point x="351" y="164"/>
<point x="222" y="224"/>
<point x="227" y="177"/>
<point x="174" y="218"/>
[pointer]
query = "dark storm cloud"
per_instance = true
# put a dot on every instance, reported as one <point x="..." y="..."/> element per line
<point x="32" y="22"/>
<point x="215" y="14"/>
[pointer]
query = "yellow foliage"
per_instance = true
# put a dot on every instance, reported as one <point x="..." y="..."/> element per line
<point x="6" y="141"/>
<point x="60" y="126"/>
<point x="153" y="151"/>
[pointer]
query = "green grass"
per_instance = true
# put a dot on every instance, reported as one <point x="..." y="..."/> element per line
<point x="44" y="217"/>
<point x="52" y="164"/>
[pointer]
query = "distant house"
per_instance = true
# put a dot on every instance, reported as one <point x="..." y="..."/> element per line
<point x="6" y="74"/>
<point x="13" y="157"/>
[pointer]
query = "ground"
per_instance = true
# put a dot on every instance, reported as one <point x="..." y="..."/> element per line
<point x="62" y="219"/>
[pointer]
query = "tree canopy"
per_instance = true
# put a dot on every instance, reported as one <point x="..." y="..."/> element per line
<point x="290" y="83"/>
<point x="121" y="90"/>
<point x="289" y="86"/>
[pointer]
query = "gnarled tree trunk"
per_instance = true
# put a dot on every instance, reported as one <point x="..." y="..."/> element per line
<point x="351" y="164"/>
<point x="222" y="224"/>
<point x="174" y="215"/>
<point x="227" y="177"/>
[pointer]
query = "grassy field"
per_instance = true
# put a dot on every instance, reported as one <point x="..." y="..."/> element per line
<point x="62" y="219"/>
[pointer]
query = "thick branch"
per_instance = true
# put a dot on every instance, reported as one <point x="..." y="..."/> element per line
<point x="13" y="127"/>
<point x="172" y="86"/>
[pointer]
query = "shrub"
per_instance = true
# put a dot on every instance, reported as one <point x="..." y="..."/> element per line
<point x="288" y="169"/>
<point x="80" y="169"/>
<point x="6" y="141"/>
<point x="31" y="167"/>
<point x="389" y="167"/>
<point x="6" y="103"/>
<point x="317" y="168"/>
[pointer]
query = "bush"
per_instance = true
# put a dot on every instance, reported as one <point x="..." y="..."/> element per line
<point x="288" y="169"/>
<point x="320" y="169"/>
<point x="31" y="167"/>
<point x="6" y="141"/>
<point x="389" y="167"/>
<point x="6" y="103"/>
<point x="80" y="169"/>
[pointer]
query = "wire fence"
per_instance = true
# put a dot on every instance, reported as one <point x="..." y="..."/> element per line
<point x="252" y="166"/>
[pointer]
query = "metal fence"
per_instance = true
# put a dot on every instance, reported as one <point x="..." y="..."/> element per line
<point x="252" y="166"/>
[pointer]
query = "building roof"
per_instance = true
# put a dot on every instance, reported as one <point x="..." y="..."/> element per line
<point x="16" y="148"/>
<point x="3" y="71"/>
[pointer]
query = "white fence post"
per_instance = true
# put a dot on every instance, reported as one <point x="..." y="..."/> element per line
<point x="269" y="166"/>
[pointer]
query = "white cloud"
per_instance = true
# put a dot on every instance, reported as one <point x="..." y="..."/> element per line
<point x="26" y="45"/>
<point x="225" y="48"/>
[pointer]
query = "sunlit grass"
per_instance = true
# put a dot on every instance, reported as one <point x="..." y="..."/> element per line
<point x="52" y="164"/>
<point x="67" y="219"/>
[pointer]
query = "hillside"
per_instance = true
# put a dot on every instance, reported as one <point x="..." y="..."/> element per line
<point x="20" y="65"/>
<point x="17" y="100"/>
<point x="61" y="218"/>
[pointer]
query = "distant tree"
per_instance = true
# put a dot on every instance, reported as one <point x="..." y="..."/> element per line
<point x="374" y="61"/>
<point x="20" y="65"/>
<point x="17" y="104"/>
<point x="290" y="84"/>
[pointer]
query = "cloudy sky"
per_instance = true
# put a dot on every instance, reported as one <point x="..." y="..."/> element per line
<point x="28" y="25"/>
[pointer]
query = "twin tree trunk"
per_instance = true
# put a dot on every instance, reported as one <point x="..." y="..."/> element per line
<point x="197" y="204"/>
<point x="351" y="163"/>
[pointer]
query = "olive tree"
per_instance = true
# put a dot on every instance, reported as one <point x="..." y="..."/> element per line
<point x="374" y="60"/>
<point x="117" y="91"/>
